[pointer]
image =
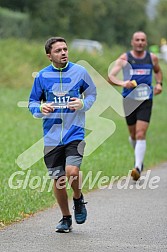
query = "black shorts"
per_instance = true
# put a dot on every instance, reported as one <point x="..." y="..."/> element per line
<point x="142" y="112"/>
<point x="57" y="158"/>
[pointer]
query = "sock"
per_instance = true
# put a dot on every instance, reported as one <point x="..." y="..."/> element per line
<point x="132" y="142"/>
<point x="81" y="197"/>
<point x="67" y="216"/>
<point x="140" y="150"/>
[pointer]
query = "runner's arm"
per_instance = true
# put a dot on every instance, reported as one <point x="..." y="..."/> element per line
<point x="157" y="74"/>
<point x="112" y="76"/>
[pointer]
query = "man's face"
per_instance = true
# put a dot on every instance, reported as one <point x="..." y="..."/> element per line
<point x="59" y="54"/>
<point x="139" y="41"/>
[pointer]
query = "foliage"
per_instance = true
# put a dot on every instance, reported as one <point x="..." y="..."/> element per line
<point x="112" y="22"/>
<point x="121" y="19"/>
<point x="16" y="5"/>
<point x="13" y="24"/>
<point x="160" y="22"/>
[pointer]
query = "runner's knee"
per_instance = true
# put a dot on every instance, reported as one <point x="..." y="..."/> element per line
<point x="140" y="135"/>
<point x="72" y="171"/>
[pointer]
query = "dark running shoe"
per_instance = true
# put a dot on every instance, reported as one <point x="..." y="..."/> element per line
<point x="64" y="226"/>
<point x="142" y="167"/>
<point x="135" y="174"/>
<point x="80" y="211"/>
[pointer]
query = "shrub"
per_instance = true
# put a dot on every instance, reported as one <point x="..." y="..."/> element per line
<point x="14" y="24"/>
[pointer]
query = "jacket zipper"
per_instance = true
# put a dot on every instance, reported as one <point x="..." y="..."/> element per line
<point x="61" y="114"/>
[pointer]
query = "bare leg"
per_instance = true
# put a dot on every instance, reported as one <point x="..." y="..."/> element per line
<point x="60" y="192"/>
<point x="61" y="195"/>
<point x="141" y="129"/>
<point x="72" y="173"/>
<point x="132" y="131"/>
<point x="138" y="130"/>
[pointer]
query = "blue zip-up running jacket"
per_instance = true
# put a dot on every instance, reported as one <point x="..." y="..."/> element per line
<point x="58" y="85"/>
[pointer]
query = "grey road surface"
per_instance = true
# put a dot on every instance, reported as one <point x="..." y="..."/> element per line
<point x="124" y="217"/>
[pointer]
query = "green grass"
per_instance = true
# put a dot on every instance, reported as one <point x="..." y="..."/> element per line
<point x="21" y="58"/>
<point x="16" y="136"/>
<point x="19" y="130"/>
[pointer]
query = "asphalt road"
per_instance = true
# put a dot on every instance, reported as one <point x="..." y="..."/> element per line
<point x="119" y="219"/>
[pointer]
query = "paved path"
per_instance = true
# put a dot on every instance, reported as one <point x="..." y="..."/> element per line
<point x="131" y="220"/>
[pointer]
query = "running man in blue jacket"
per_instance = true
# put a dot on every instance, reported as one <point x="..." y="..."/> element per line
<point x="61" y="94"/>
<point x="138" y="66"/>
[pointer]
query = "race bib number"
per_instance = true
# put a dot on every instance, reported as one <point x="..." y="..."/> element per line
<point x="141" y="92"/>
<point x="61" y="100"/>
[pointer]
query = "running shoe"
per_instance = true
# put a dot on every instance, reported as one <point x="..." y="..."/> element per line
<point x="65" y="225"/>
<point x="80" y="212"/>
<point x="142" y="167"/>
<point x="135" y="174"/>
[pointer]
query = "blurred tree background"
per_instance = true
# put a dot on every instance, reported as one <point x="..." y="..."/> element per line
<point x="110" y="22"/>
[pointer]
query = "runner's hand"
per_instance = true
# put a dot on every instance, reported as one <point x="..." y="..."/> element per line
<point x="46" y="108"/>
<point x="75" y="103"/>
<point x="128" y="84"/>
<point x="157" y="89"/>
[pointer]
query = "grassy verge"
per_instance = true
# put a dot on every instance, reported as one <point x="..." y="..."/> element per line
<point x="19" y="130"/>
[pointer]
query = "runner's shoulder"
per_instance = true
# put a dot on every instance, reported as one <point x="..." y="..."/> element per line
<point x="123" y="56"/>
<point x="154" y="57"/>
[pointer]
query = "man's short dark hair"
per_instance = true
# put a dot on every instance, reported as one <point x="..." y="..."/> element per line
<point x="51" y="41"/>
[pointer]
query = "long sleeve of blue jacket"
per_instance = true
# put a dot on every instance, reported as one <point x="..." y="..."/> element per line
<point x="89" y="93"/>
<point x="35" y="99"/>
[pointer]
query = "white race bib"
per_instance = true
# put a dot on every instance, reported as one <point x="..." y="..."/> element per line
<point x="140" y="93"/>
<point x="61" y="99"/>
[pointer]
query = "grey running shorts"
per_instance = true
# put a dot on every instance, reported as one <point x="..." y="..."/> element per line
<point x="57" y="158"/>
